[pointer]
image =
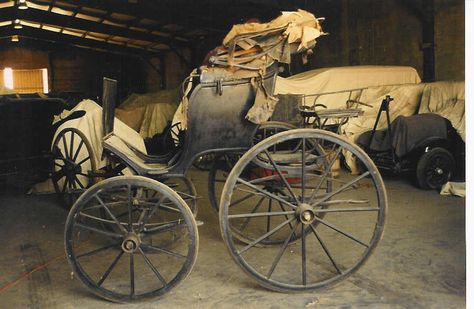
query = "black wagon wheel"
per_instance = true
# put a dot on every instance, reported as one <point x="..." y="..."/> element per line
<point x="224" y="163"/>
<point x="185" y="189"/>
<point x="205" y="161"/>
<point x="132" y="260"/>
<point x="217" y="176"/>
<point x="435" y="168"/>
<point x="329" y="248"/>
<point x="175" y="135"/>
<point x="270" y="128"/>
<point x="72" y="161"/>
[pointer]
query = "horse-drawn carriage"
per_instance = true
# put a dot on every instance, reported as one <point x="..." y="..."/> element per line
<point x="287" y="220"/>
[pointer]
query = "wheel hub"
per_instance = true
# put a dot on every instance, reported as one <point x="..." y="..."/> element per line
<point x="72" y="167"/>
<point x="69" y="166"/>
<point x="439" y="171"/>
<point x="131" y="243"/>
<point x="305" y="213"/>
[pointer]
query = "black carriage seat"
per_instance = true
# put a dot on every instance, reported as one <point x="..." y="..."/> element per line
<point x="408" y="133"/>
<point x="133" y="158"/>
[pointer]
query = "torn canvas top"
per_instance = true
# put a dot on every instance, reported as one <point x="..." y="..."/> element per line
<point x="250" y="48"/>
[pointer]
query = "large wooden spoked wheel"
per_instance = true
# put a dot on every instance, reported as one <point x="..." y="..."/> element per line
<point x="173" y="139"/>
<point x="132" y="253"/>
<point x="185" y="189"/>
<point x="323" y="235"/>
<point x="72" y="160"/>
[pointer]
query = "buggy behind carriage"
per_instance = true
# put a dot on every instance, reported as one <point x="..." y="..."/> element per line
<point x="26" y="134"/>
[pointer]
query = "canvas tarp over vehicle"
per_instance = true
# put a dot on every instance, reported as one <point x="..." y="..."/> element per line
<point x="341" y="79"/>
<point x="91" y="126"/>
<point x="149" y="113"/>
<point x="446" y="99"/>
<point x="250" y="48"/>
<point x="443" y="98"/>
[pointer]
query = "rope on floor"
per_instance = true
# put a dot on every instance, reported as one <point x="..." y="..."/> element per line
<point x="11" y="284"/>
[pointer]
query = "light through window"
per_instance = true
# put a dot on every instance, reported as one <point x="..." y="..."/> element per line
<point x="8" y="78"/>
<point x="25" y="81"/>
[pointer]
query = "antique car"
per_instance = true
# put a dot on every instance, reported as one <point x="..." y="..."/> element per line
<point x="422" y="144"/>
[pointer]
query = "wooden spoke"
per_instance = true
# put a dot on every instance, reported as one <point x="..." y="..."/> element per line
<point x="153" y="268"/>
<point x="109" y="270"/>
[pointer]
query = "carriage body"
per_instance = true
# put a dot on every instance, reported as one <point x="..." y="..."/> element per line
<point x="216" y="123"/>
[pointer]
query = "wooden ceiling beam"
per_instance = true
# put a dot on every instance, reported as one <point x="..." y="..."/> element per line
<point x="186" y="14"/>
<point x="46" y="45"/>
<point x="59" y="20"/>
<point x="46" y="35"/>
<point x="139" y="11"/>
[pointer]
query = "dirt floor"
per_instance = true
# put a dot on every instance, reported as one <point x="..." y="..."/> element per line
<point x="420" y="262"/>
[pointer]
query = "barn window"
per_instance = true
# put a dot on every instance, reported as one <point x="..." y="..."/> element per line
<point x="25" y="81"/>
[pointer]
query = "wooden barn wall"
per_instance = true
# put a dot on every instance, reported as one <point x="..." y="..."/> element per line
<point x="152" y="75"/>
<point x="23" y="58"/>
<point x="77" y="70"/>
<point x="173" y="68"/>
<point x="80" y="71"/>
<point x="176" y="69"/>
<point x="449" y="39"/>
<point x="370" y="32"/>
<point x="389" y="32"/>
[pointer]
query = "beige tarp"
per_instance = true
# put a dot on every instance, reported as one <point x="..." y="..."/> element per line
<point x="446" y="99"/>
<point x="91" y="126"/>
<point x="301" y="27"/>
<point x="149" y="113"/>
<point x="259" y="44"/>
<point x="341" y="79"/>
<point x="406" y="99"/>
<point x="443" y="98"/>
<point x="454" y="188"/>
